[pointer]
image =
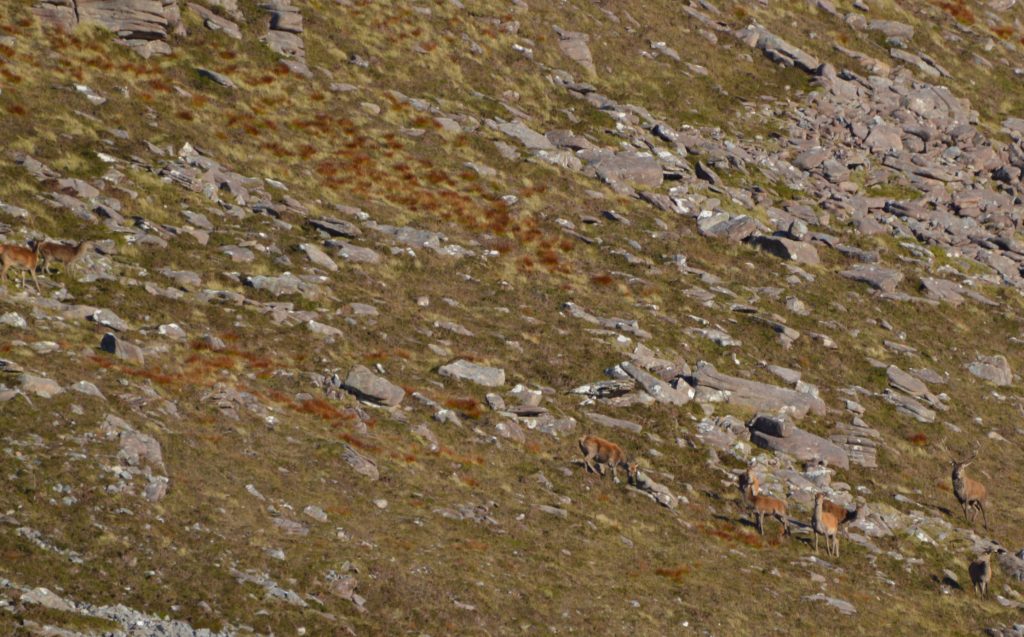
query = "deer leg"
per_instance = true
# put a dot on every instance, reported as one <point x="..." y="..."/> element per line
<point x="36" y="281"/>
<point x="760" y="523"/>
<point x="984" y="516"/>
<point x="815" y="541"/>
<point x="586" y="463"/>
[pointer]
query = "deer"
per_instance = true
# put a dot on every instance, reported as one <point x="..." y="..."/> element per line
<point x="825" y="523"/>
<point x="598" y="453"/>
<point x="971" y="494"/>
<point x="762" y="505"/>
<point x="23" y="258"/>
<point x="62" y="253"/>
<point x="843" y="515"/>
<point x="980" y="570"/>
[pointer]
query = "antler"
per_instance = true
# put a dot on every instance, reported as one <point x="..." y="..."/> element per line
<point x="942" y="445"/>
<point x="949" y="454"/>
<point x="977" y="448"/>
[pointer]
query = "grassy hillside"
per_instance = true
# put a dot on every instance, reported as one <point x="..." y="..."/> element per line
<point x="292" y="506"/>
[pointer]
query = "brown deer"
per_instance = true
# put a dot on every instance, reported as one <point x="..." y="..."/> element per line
<point x="971" y="494"/>
<point x="825" y="523"/>
<point x="599" y="453"/>
<point x="843" y="515"/>
<point x="23" y="258"/>
<point x="51" y="252"/>
<point x="980" y="570"/>
<point x="762" y="505"/>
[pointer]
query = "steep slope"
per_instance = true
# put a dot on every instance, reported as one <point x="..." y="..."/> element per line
<point x="364" y="272"/>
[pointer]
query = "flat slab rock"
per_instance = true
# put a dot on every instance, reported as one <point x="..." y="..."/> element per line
<point x="526" y="135"/>
<point x="615" y="423"/>
<point x="727" y="227"/>
<point x="631" y="168"/>
<point x="319" y="257"/>
<point x="369" y="386"/>
<point x="360" y="464"/>
<point x="122" y="349"/>
<point x="994" y="369"/>
<point x="473" y="372"/>
<point x="777" y="426"/>
<point x="759" y="396"/>
<point x="904" y="382"/>
<point x="658" y="389"/>
<point x="877" y="277"/>
<point x="622" y="325"/>
<point x="910" y="406"/>
<point x="336" y="227"/>
<point x="786" y="249"/>
<point x="840" y="605"/>
<point x="803" y="446"/>
<point x="778" y="50"/>
<point x="39" y="386"/>
<point x="574" y="45"/>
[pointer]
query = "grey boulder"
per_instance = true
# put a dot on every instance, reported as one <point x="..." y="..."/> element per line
<point x="373" y="388"/>
<point x="473" y="372"/>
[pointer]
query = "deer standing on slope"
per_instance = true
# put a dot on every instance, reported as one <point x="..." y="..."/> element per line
<point x="825" y="523"/>
<point x="842" y="514"/>
<point x="762" y="505"/>
<point x="23" y="258"/>
<point x="971" y="494"/>
<point x="980" y="570"/>
<point x="50" y="252"/>
<point x="598" y="451"/>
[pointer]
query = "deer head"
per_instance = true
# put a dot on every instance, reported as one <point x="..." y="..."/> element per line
<point x="960" y="465"/>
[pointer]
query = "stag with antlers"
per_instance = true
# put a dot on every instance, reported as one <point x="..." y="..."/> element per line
<point x="971" y="494"/>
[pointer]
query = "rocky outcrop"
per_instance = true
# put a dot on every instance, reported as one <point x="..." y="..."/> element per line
<point x="284" y="34"/>
<point x="776" y="49"/>
<point x="994" y="369"/>
<point x="779" y="434"/>
<point x="216" y="22"/>
<point x="859" y="440"/>
<point x="143" y="25"/>
<point x="574" y="45"/>
<point x="755" y="395"/>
